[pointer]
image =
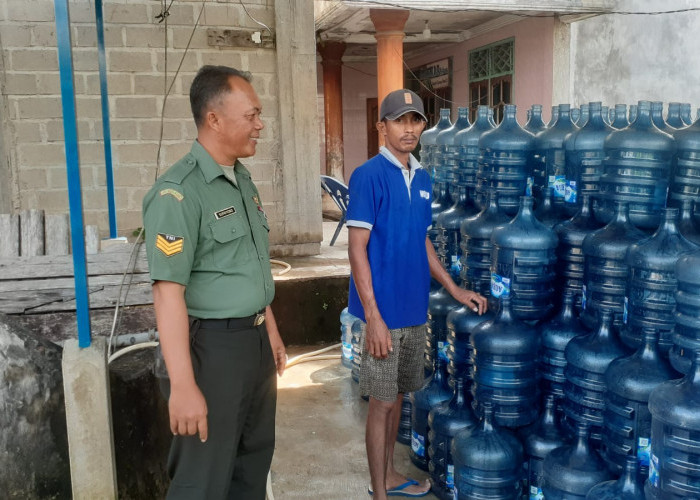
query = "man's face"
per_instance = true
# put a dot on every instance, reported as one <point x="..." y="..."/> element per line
<point x="402" y="135"/>
<point x="238" y="119"/>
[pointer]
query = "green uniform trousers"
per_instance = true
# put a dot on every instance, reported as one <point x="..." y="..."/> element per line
<point x="235" y="370"/>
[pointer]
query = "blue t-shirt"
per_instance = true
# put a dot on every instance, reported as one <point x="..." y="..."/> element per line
<point x="397" y="211"/>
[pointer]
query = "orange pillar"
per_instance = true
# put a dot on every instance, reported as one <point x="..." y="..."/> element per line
<point x="332" y="54"/>
<point x="389" y="25"/>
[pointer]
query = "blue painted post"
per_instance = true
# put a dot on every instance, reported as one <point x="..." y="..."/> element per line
<point x="105" y="118"/>
<point x="70" y="131"/>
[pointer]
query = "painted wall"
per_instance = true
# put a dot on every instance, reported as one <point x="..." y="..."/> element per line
<point x="624" y="58"/>
<point x="532" y="81"/>
<point x="359" y="84"/>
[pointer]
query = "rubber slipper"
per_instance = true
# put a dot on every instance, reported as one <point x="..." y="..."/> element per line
<point x="399" y="490"/>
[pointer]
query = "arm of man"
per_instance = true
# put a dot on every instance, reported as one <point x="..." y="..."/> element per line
<point x="278" y="350"/>
<point x="470" y="299"/>
<point x="186" y="405"/>
<point x="378" y="337"/>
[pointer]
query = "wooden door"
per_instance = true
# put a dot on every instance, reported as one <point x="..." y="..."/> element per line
<point x="372" y="132"/>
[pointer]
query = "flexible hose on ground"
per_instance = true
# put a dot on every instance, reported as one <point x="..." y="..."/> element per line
<point x="282" y="263"/>
<point x="130" y="348"/>
<point x="301" y="358"/>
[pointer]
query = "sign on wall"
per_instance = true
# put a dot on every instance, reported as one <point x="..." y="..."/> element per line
<point x="435" y="75"/>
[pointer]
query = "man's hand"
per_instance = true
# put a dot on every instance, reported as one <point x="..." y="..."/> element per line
<point x="472" y="300"/>
<point x="188" y="412"/>
<point x="276" y="343"/>
<point x="378" y="338"/>
<point x="278" y="352"/>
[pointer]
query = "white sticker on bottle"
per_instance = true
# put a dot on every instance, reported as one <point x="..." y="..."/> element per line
<point x="654" y="470"/>
<point x="500" y="286"/>
<point x="643" y="451"/>
<point x="418" y="444"/>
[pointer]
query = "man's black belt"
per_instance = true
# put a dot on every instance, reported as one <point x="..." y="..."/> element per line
<point x="251" y="321"/>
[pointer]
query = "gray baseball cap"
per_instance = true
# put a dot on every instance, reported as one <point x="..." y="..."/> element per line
<point x="399" y="102"/>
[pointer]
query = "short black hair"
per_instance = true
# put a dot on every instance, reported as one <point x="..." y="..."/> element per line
<point x="209" y="84"/>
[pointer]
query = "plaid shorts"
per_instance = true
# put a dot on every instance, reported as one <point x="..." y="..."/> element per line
<point x="401" y="371"/>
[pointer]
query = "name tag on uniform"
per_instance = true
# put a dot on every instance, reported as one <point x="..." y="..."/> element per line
<point x="225" y="212"/>
<point x="424" y="194"/>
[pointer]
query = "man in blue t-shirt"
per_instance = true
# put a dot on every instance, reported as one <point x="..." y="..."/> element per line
<point x="392" y="260"/>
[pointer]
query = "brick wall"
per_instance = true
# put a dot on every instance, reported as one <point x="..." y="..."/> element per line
<point x="30" y="110"/>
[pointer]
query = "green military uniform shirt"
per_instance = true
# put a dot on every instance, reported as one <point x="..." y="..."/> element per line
<point x="206" y="233"/>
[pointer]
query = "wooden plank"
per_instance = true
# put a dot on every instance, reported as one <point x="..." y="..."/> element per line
<point x="19" y="302"/>
<point x="57" y="234"/>
<point x="62" y="265"/>
<point x="9" y="235"/>
<point x="139" y="294"/>
<point x="92" y="239"/>
<point x="31" y="226"/>
<point x="51" y="283"/>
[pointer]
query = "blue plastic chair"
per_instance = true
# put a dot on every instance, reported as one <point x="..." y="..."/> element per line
<point x="340" y="195"/>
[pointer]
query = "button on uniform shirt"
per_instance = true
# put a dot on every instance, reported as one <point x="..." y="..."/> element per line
<point x="394" y="204"/>
<point x="210" y="235"/>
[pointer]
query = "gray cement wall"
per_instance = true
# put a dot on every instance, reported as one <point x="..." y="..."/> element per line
<point x="32" y="168"/>
<point x="33" y="445"/>
<point x="624" y="58"/>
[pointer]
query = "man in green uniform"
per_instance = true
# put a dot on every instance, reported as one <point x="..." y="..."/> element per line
<point x="208" y="254"/>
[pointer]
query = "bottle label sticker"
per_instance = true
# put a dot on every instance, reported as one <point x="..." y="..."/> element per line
<point x="583" y="297"/>
<point x="654" y="470"/>
<point x="442" y="351"/>
<point x="418" y="444"/>
<point x="536" y="493"/>
<point x="624" y="310"/>
<point x="500" y="286"/>
<point x="559" y="186"/>
<point x="643" y="451"/>
<point x="450" y="476"/>
<point x="347" y="351"/>
<point x="528" y="186"/>
<point x="570" y="195"/>
<point x="456" y="267"/>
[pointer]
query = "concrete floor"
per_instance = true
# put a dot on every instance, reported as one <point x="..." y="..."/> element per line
<point x="320" y="451"/>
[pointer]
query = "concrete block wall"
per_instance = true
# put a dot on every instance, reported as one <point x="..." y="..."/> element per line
<point x="32" y="161"/>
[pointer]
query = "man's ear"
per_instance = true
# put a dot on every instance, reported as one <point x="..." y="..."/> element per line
<point x="381" y="127"/>
<point x="212" y="119"/>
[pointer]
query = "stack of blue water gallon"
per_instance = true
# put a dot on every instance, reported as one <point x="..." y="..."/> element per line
<point x="583" y="379"/>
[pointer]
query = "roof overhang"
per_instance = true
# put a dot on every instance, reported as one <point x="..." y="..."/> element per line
<point x="450" y="21"/>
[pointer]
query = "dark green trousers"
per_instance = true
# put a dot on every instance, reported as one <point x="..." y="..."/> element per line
<point x="235" y="370"/>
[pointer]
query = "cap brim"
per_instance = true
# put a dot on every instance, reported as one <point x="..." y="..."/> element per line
<point x="403" y="111"/>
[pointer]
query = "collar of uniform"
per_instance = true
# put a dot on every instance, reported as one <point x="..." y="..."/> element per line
<point x="412" y="162"/>
<point x="210" y="169"/>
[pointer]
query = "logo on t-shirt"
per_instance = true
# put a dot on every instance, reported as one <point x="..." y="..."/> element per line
<point x="424" y="194"/>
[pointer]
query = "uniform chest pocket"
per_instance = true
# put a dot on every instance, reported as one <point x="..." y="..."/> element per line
<point x="230" y="242"/>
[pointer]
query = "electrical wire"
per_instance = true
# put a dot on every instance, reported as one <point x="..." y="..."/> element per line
<point x="250" y="16"/>
<point x="177" y="72"/>
<point x="116" y="320"/>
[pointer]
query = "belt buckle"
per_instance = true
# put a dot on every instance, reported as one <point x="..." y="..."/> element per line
<point x="259" y="319"/>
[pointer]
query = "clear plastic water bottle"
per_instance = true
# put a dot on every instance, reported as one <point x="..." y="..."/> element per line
<point x="346" y="321"/>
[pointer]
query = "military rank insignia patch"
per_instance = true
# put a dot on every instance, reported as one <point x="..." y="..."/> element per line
<point x="175" y="194"/>
<point x="169" y="244"/>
